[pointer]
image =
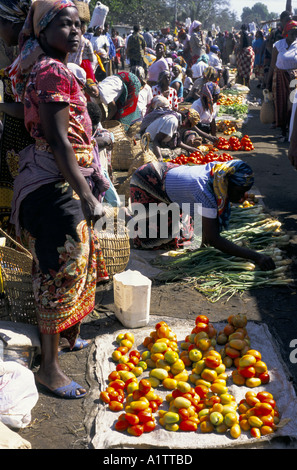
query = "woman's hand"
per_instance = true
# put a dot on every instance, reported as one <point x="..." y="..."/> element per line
<point x="92" y="209"/>
<point x="265" y="262"/>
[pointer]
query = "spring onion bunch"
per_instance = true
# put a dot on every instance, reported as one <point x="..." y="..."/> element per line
<point x="218" y="275"/>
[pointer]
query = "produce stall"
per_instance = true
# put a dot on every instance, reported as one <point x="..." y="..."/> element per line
<point x="188" y="395"/>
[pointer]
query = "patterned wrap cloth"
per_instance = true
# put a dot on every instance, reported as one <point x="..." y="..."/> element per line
<point x="67" y="259"/>
<point x="235" y="171"/>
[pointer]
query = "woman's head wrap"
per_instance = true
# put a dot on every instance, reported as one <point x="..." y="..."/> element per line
<point x="163" y="74"/>
<point x="235" y="171"/>
<point x="14" y="10"/>
<point x="209" y="73"/>
<point x="193" y="116"/>
<point x="161" y="44"/>
<point x="203" y="58"/>
<point x="178" y="67"/>
<point x="194" y="25"/>
<point x="290" y="25"/>
<point x="208" y="92"/>
<point x="41" y="13"/>
<point x="160" y="101"/>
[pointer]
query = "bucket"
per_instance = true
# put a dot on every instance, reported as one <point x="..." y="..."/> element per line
<point x="132" y="296"/>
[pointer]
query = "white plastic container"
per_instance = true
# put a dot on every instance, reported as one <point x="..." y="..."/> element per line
<point x="132" y="298"/>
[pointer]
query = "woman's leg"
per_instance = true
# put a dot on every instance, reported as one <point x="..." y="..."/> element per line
<point x="50" y="373"/>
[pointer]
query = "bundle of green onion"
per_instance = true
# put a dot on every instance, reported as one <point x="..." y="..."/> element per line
<point x="218" y="275"/>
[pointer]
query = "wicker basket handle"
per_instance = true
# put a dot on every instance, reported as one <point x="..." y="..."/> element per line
<point x="145" y="141"/>
<point x="18" y="245"/>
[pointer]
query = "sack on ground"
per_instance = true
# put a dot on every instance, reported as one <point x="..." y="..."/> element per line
<point x="267" y="108"/>
<point x="19" y="394"/>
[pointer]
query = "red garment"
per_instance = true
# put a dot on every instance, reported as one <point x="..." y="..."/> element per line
<point x="51" y="81"/>
<point x="87" y="66"/>
<point x="290" y="25"/>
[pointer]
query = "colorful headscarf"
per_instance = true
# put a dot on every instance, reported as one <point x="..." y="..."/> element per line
<point x="235" y="171"/>
<point x="209" y="73"/>
<point x="290" y="25"/>
<point x="14" y="10"/>
<point x="41" y="13"/>
<point x="204" y="58"/>
<point x="209" y="90"/>
<point x="193" y="116"/>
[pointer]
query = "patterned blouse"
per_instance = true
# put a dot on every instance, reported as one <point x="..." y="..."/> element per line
<point x="51" y="81"/>
<point x="172" y="97"/>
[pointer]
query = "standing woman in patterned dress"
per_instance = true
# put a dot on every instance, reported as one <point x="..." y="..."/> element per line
<point x="15" y="137"/>
<point x="245" y="57"/>
<point x="57" y="190"/>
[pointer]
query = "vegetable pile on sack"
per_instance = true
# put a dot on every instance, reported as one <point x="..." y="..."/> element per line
<point x="219" y="275"/>
<point x="196" y="376"/>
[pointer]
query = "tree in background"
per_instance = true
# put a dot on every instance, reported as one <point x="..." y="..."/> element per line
<point x="259" y="12"/>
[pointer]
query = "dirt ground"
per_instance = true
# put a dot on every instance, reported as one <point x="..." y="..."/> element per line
<point x="59" y="424"/>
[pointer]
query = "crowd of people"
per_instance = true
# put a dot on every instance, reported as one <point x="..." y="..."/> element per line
<point x="63" y="82"/>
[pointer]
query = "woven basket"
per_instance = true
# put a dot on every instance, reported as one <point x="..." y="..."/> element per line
<point x="122" y="155"/>
<point x="115" y="246"/>
<point x="17" y="301"/>
<point x="83" y="10"/>
<point x="142" y="155"/>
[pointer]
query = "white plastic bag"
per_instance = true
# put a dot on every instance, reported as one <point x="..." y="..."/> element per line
<point x="18" y="394"/>
<point x="99" y="15"/>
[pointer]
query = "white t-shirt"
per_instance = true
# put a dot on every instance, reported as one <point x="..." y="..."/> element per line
<point x="198" y="69"/>
<point x="286" y="57"/>
<point x="155" y="68"/>
<point x="206" y="117"/>
<point x="110" y="89"/>
<point x="214" y="61"/>
<point x="167" y="124"/>
<point x="144" y="98"/>
<point x="98" y="42"/>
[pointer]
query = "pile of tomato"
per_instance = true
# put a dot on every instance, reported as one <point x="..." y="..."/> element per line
<point x="235" y="144"/>
<point x="197" y="158"/>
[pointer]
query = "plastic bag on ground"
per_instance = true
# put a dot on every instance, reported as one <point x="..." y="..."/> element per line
<point x="18" y="394"/>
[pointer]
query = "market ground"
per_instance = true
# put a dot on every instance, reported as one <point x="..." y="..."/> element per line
<point x="59" y="424"/>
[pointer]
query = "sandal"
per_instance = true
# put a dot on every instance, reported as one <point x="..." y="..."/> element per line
<point x="67" y="391"/>
<point x="79" y="344"/>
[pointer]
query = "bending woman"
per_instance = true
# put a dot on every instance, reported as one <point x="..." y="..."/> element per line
<point x="212" y="187"/>
<point x="56" y="192"/>
<point x="120" y="93"/>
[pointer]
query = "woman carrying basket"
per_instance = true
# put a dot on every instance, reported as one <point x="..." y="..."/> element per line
<point x="56" y="193"/>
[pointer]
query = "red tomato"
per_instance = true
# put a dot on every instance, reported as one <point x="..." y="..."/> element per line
<point x="144" y="386"/>
<point x="202" y="319"/>
<point x="149" y="426"/>
<point x="132" y="418"/>
<point x="144" y="416"/>
<point x="121" y="425"/>
<point x="136" y="430"/>
<point x="115" y="405"/>
<point x="188" y="425"/>
<point x="105" y="397"/>
<point x="247" y="372"/>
